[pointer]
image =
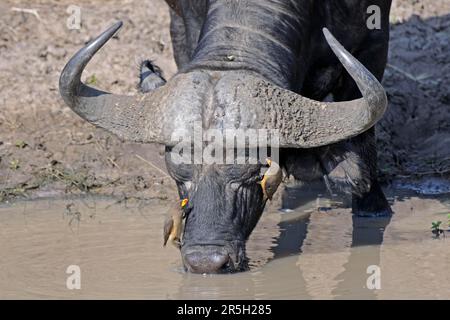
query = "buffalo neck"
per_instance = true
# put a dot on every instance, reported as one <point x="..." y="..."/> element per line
<point x="267" y="37"/>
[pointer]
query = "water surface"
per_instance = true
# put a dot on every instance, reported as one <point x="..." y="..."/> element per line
<point x="315" y="250"/>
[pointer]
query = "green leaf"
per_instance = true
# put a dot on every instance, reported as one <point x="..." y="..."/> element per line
<point x="435" y="224"/>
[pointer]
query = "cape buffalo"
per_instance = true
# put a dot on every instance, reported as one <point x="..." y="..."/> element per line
<point x="254" y="64"/>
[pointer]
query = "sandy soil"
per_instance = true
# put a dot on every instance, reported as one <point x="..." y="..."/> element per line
<point x="414" y="136"/>
<point x="46" y="150"/>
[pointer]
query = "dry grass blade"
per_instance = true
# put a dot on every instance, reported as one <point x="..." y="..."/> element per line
<point x="29" y="11"/>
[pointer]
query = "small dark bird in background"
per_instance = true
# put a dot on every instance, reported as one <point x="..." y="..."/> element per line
<point x="272" y="179"/>
<point x="174" y="224"/>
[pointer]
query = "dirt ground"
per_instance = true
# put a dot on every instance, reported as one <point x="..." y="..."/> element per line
<point x="46" y="150"/>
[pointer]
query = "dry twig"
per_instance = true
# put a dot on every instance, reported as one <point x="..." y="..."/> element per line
<point x="29" y="11"/>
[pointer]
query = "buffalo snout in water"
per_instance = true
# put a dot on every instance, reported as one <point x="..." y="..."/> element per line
<point x="225" y="204"/>
<point x="209" y="259"/>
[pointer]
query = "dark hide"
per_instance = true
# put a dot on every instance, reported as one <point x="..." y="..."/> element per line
<point x="282" y="42"/>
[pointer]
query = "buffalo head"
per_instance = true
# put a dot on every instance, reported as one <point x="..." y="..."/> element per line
<point x="226" y="199"/>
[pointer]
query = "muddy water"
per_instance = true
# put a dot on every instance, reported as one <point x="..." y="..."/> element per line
<point x="303" y="253"/>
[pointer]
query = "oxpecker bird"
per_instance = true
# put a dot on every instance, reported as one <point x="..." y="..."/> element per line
<point x="272" y="179"/>
<point x="174" y="224"/>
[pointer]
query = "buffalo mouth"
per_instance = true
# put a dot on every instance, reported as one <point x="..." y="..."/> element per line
<point x="214" y="258"/>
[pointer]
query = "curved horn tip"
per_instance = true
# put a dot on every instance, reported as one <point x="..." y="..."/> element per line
<point x="69" y="81"/>
<point x="326" y="32"/>
<point x="335" y="45"/>
<point x="329" y="37"/>
<point x="116" y="26"/>
<point x="105" y="36"/>
<point x="109" y="33"/>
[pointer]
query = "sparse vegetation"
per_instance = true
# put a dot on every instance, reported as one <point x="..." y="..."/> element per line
<point x="9" y="193"/>
<point x="436" y="229"/>
<point x="21" y="144"/>
<point x="83" y="181"/>
<point x="14" y="164"/>
<point x="16" y="191"/>
<point x="92" y="80"/>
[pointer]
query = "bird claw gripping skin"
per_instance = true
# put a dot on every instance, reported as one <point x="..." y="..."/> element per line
<point x="173" y="225"/>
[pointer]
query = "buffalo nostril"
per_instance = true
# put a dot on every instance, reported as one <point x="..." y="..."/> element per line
<point x="210" y="262"/>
